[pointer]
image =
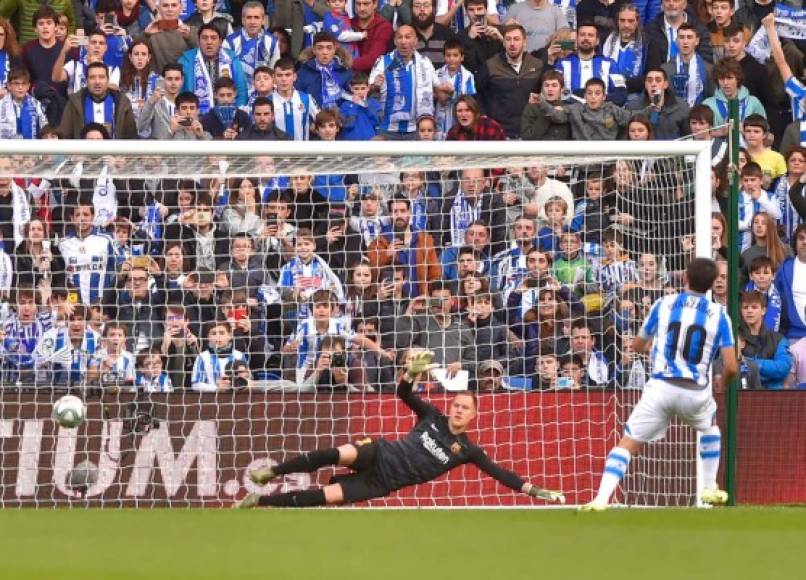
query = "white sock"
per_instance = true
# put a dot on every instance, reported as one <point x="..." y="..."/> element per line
<point x="710" y="444"/>
<point x="615" y="467"/>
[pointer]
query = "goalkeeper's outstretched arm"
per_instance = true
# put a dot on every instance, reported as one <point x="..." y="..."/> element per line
<point x="514" y="481"/>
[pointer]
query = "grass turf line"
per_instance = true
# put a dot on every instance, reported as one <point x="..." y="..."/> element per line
<point x="510" y="545"/>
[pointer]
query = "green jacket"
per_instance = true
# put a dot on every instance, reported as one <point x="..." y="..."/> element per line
<point x="22" y="11"/>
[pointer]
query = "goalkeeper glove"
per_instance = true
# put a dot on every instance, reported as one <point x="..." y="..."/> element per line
<point x="420" y="362"/>
<point x="546" y="494"/>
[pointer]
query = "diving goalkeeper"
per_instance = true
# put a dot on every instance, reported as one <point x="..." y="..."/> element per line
<point x="435" y="445"/>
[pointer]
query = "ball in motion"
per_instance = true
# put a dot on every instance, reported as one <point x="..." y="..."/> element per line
<point x="69" y="411"/>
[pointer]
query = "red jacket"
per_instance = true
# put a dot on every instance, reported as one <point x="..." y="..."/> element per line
<point x="378" y="41"/>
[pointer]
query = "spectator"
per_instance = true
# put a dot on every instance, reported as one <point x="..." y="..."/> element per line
<point x="509" y="266"/>
<point x="100" y="104"/>
<point x="572" y="373"/>
<point x="491" y="378"/>
<point x="772" y="163"/>
<point x="360" y="113"/>
<point x="401" y="245"/>
<point x="331" y="371"/>
<point x="262" y="127"/>
<point x="790" y="194"/>
<point x="179" y="346"/>
<point x="22" y="332"/>
<point x="379" y="35"/>
<point x="477" y="239"/>
<point x="206" y="13"/>
<point x="208" y="370"/>
<point x="583" y="345"/>
<point x="325" y="75"/>
<point x="40" y="54"/>
<point x="452" y="81"/>
<point x="168" y="36"/>
<point x="116" y="363"/>
<point x="768" y="349"/>
<point x="470" y="199"/>
<point x="203" y="66"/>
<point x="65" y="353"/>
<point x="535" y="125"/>
<point x="689" y="73"/>
<point x="762" y="274"/>
<point x="538" y="20"/>
<point x="21" y="115"/>
<point x="544" y="325"/>
<point x="432" y="36"/>
<point x="137" y="80"/>
<point x="471" y="125"/>
<point x="788" y="282"/>
<point x="402" y="110"/>
<point x="292" y="16"/>
<point x="547" y="371"/>
<point x="662" y="34"/>
<point x="626" y="45"/>
<point x="764" y="242"/>
<point x="36" y="259"/>
<point x="156" y="116"/>
<point x="667" y="113"/>
<point x="150" y="377"/>
<point x="27" y="10"/>
<point x="137" y="308"/>
<point x="371" y="371"/>
<point x="586" y="64"/>
<point x="185" y="124"/>
<point x="482" y="38"/>
<point x="632" y="369"/>
<point x="298" y="108"/>
<point x="753" y="199"/>
<point x="722" y="12"/>
<point x="491" y="339"/>
<point x="511" y="76"/>
<point x="225" y="120"/>
<point x="9" y="51"/>
<point x="728" y="75"/>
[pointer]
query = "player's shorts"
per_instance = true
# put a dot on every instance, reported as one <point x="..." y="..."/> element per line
<point x="365" y="482"/>
<point x="661" y="401"/>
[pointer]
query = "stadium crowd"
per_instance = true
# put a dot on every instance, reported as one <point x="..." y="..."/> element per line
<point x="529" y="277"/>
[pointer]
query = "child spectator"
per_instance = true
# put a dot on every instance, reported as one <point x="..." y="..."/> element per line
<point x="547" y="371"/>
<point x="572" y="373"/>
<point x="21" y="115"/>
<point x="293" y="110"/>
<point x="23" y="330"/>
<point x="593" y="120"/>
<point x="571" y="268"/>
<point x="151" y="377"/>
<point x="327" y="125"/>
<point x="369" y="222"/>
<point x="64" y="354"/>
<point x="767" y="348"/>
<point x="753" y="199"/>
<point x="762" y="274"/>
<point x="277" y="237"/>
<point x="245" y="269"/>
<point x="225" y="120"/>
<point x="616" y="268"/>
<point x="360" y="113"/>
<point x="323" y="322"/>
<point x="632" y="370"/>
<point x="337" y="23"/>
<point x="772" y="163"/>
<point x="589" y="218"/>
<point x="305" y="274"/>
<point x="74" y="72"/>
<point x="209" y="369"/>
<point x="729" y="76"/>
<point x="116" y="364"/>
<point x="371" y="371"/>
<point x="548" y="237"/>
<point x="452" y="81"/>
<point x="491" y="335"/>
<point x="263" y="85"/>
<point x="424" y="211"/>
<point x="426" y="128"/>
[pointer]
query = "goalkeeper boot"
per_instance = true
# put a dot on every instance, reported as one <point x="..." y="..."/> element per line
<point x="593" y="506"/>
<point x="262" y="476"/>
<point x="250" y="501"/>
<point x="714" y="496"/>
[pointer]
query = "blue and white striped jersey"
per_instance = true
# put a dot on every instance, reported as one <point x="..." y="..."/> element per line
<point x="209" y="367"/>
<point x="310" y="277"/>
<point x="123" y="367"/>
<point x="797" y="97"/>
<point x="689" y="330"/>
<point x="55" y="352"/>
<point x="89" y="262"/>
<point x="159" y="384"/>
<point x="310" y="341"/>
<point x="21" y="339"/>
<point x="407" y="92"/>
<point x="294" y="115"/>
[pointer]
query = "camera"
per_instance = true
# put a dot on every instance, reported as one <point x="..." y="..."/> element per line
<point x="186" y="122"/>
<point x="532" y="282"/>
<point x="338" y="359"/>
<point x="139" y="417"/>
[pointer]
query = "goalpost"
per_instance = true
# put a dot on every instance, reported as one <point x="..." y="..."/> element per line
<point x="190" y="448"/>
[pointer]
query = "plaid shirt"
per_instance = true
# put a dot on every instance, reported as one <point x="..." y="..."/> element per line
<point x="484" y="129"/>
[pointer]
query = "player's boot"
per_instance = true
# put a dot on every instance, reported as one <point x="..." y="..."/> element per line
<point x="250" y="501"/>
<point x="262" y="476"/>
<point x="714" y="496"/>
<point x="593" y="506"/>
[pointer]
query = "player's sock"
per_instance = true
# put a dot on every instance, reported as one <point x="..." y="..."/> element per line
<point x="710" y="443"/>
<point x="308" y="462"/>
<point x="304" y="498"/>
<point x="615" y="467"/>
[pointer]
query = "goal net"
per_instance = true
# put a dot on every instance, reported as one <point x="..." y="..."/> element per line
<point x="221" y="306"/>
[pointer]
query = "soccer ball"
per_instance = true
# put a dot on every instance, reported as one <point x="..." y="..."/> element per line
<point x="69" y="411"/>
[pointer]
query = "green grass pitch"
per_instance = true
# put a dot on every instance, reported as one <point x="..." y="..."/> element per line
<point x="757" y="543"/>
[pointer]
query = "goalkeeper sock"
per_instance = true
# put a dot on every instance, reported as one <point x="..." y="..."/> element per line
<point x="308" y="462"/>
<point x="710" y="443"/>
<point x="305" y="498"/>
<point x="615" y="467"/>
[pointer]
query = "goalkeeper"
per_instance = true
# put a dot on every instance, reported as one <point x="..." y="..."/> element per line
<point x="435" y="445"/>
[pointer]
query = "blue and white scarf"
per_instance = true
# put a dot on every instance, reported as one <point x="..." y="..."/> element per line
<point x="254" y="52"/>
<point x="5" y="65"/>
<point x="789" y="23"/>
<point x="723" y="108"/>
<point x="629" y="57"/>
<point x="331" y="91"/>
<point x="28" y="119"/>
<point x="694" y="73"/>
<point x="462" y="215"/>
<point x="108" y="119"/>
<point x="203" y="84"/>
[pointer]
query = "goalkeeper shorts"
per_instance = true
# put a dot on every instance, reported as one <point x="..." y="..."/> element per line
<point x="365" y="482"/>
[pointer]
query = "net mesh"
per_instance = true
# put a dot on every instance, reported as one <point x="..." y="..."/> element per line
<point x="219" y="312"/>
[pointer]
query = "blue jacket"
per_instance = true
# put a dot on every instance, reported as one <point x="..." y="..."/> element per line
<point x="188" y="60"/>
<point x="792" y="325"/>
<point x="770" y="351"/>
<point x="360" y="123"/>
<point x="309" y="78"/>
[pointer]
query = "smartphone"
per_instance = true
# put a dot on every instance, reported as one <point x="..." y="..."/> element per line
<point x="165" y="25"/>
<point x="141" y="262"/>
<point x="656" y="99"/>
<point x="481" y="20"/>
<point x="161" y="84"/>
<point x="186" y="122"/>
<point x="83" y="40"/>
<point x="400" y="236"/>
<point x="388" y="276"/>
<point x="239" y="313"/>
<point x="532" y="282"/>
<point x="567" y="44"/>
<point x="110" y="19"/>
<point x="565" y="383"/>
